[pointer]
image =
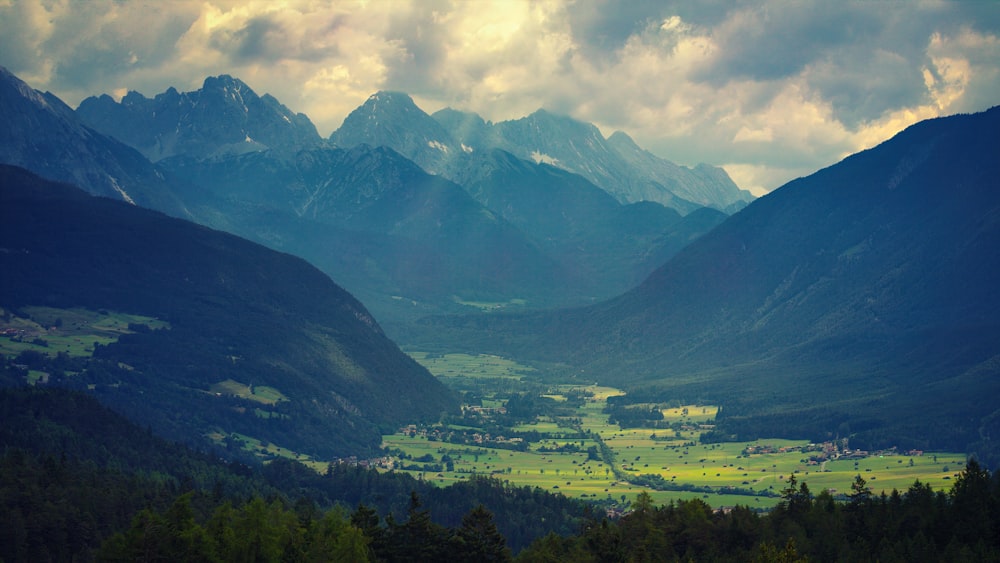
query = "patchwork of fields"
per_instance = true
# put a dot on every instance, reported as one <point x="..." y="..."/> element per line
<point x="562" y="458"/>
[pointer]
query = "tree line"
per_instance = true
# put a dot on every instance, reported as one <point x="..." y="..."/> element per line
<point x="261" y="531"/>
<point x="916" y="525"/>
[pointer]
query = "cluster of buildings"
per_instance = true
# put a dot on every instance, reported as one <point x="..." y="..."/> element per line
<point x="454" y="436"/>
<point x="826" y="451"/>
<point x="384" y="462"/>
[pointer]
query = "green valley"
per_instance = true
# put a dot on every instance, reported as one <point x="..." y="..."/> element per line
<point x="559" y="438"/>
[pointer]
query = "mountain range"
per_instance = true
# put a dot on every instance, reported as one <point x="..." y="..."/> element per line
<point x="239" y="316"/>
<point x="863" y="295"/>
<point x="503" y="230"/>
<point x="377" y="222"/>
<point x="449" y="142"/>
<point x="224" y="117"/>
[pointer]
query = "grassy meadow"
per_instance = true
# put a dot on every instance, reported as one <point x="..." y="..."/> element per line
<point x="73" y="331"/>
<point x="258" y="393"/>
<point x="482" y="366"/>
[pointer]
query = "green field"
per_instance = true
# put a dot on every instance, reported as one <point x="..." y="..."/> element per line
<point x="487" y="306"/>
<point x="466" y="365"/>
<point x="73" y="331"/>
<point x="674" y="454"/>
<point x="263" y="450"/>
<point x="259" y="393"/>
<point x="715" y="465"/>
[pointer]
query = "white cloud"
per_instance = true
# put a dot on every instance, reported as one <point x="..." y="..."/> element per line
<point x="759" y="180"/>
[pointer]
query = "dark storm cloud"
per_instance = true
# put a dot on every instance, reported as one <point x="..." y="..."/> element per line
<point x="261" y="39"/>
<point x="79" y="48"/>
<point x="266" y="39"/>
<point x="419" y="36"/>
<point x="778" y="40"/>
<point x="863" y="58"/>
<point x="602" y="27"/>
<point x="861" y="84"/>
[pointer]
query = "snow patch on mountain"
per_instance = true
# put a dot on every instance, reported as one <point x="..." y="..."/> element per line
<point x="121" y="191"/>
<point x="542" y="158"/>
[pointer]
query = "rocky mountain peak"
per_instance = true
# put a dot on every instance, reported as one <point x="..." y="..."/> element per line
<point x="392" y="119"/>
<point x="40" y="133"/>
<point x="225" y="116"/>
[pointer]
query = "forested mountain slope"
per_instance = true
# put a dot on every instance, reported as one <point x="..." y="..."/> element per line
<point x="236" y="312"/>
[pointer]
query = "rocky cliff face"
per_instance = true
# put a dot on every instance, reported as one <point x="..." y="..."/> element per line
<point x="391" y="119"/>
<point x="42" y="134"/>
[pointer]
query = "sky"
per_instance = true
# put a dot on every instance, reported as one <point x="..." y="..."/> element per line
<point x="770" y="90"/>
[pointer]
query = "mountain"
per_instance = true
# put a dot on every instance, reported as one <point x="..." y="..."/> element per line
<point x="579" y="148"/>
<point x="859" y="300"/>
<point x="580" y="225"/>
<point x="41" y="133"/>
<point x="240" y="316"/>
<point x="224" y="117"/>
<point x="705" y="185"/>
<point x="444" y="143"/>
<point x="609" y="247"/>
<point x="400" y="237"/>
<point x="406" y="242"/>
<point x="392" y="119"/>
<point x="615" y="164"/>
<point x="467" y="126"/>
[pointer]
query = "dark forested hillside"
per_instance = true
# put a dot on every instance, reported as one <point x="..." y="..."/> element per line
<point x="859" y="299"/>
<point x="73" y="474"/>
<point x="236" y="312"/>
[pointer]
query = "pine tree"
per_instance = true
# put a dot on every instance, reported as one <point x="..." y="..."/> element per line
<point x="479" y="539"/>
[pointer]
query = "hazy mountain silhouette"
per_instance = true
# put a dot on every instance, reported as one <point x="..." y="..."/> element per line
<point x="615" y="164"/>
<point x="379" y="224"/>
